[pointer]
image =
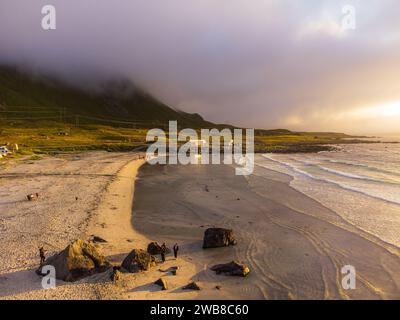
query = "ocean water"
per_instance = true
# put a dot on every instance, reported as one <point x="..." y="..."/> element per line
<point x="359" y="182"/>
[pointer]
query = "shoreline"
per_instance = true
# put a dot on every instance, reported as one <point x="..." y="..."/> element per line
<point x="292" y="243"/>
<point x="114" y="214"/>
<point x="114" y="222"/>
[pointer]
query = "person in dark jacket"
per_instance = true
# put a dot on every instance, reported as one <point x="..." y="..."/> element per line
<point x="163" y="252"/>
<point x="42" y="255"/>
<point x="176" y="249"/>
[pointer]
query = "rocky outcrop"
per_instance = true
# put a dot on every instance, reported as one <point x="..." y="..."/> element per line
<point x="232" y="268"/>
<point x="191" y="286"/>
<point x="138" y="260"/>
<point x="154" y="248"/>
<point x="162" y="283"/>
<point x="218" y="237"/>
<point x="78" y="260"/>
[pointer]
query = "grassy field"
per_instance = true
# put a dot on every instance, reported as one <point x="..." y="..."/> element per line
<point x="301" y="142"/>
<point x="37" y="138"/>
<point x="55" y="137"/>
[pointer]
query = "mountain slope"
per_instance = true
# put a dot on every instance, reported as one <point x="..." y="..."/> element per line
<point x="120" y="102"/>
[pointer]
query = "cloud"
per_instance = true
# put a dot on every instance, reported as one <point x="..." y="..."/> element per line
<point x="252" y="63"/>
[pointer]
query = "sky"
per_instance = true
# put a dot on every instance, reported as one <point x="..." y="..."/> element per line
<point x="252" y="63"/>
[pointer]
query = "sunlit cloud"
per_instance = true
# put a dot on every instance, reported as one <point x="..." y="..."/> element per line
<point x="383" y="118"/>
<point x="326" y="25"/>
<point x="381" y="111"/>
<point x="259" y="63"/>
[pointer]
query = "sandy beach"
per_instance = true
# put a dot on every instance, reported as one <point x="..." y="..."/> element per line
<point x="57" y="217"/>
<point x="104" y="185"/>
<point x="294" y="246"/>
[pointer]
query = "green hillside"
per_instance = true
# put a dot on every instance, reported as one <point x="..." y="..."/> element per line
<point x="45" y="115"/>
<point x="120" y="103"/>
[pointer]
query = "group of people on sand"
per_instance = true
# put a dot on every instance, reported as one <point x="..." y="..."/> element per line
<point x="164" y="249"/>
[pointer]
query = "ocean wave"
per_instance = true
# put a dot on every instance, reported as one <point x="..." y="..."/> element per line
<point x="349" y="188"/>
<point x="365" y="166"/>
<point x="355" y="176"/>
<point x="339" y="172"/>
<point x="327" y="180"/>
<point x="316" y="163"/>
<point x="346" y="174"/>
<point x="274" y="160"/>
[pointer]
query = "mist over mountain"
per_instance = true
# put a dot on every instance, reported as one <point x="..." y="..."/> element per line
<point x="115" y="101"/>
<point x="263" y="64"/>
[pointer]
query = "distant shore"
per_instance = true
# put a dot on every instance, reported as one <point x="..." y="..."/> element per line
<point x="315" y="147"/>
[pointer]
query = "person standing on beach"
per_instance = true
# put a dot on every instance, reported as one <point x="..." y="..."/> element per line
<point x="115" y="274"/>
<point x="163" y="252"/>
<point x="42" y="256"/>
<point x="176" y="248"/>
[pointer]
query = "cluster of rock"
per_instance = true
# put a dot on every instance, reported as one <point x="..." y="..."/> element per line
<point x="82" y="258"/>
<point x="78" y="260"/>
<point x="220" y="237"/>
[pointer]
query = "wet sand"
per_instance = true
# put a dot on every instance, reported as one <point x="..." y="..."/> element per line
<point x="295" y="247"/>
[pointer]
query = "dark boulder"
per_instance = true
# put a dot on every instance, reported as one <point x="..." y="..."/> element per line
<point x="154" y="248"/>
<point x="191" y="286"/>
<point x="232" y="268"/>
<point x="97" y="239"/>
<point x="218" y="237"/>
<point x="78" y="260"/>
<point x="138" y="260"/>
<point x="162" y="283"/>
